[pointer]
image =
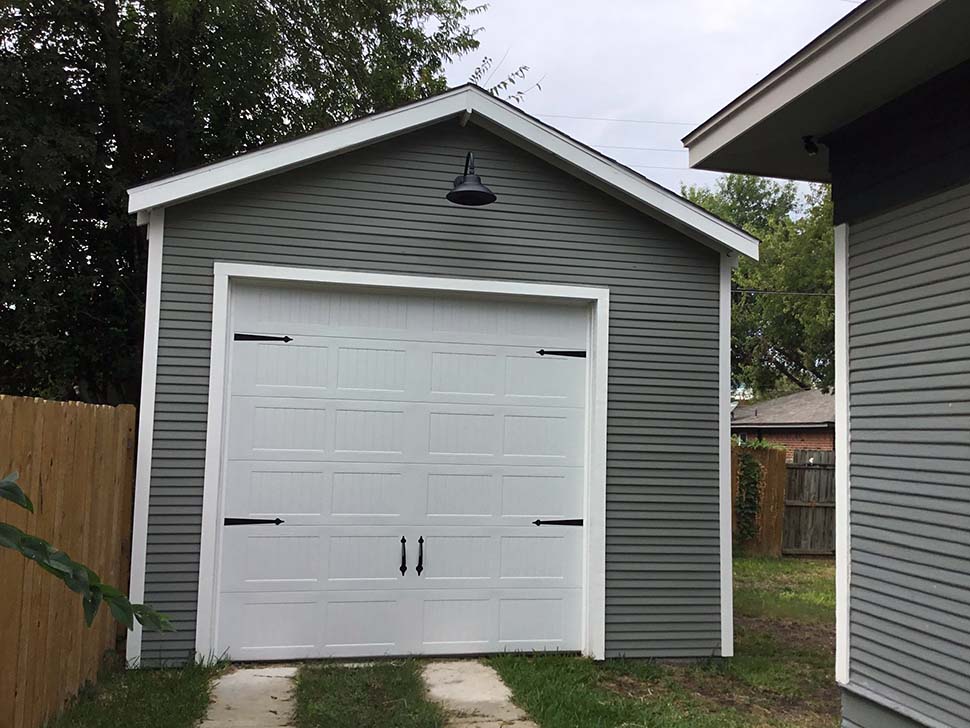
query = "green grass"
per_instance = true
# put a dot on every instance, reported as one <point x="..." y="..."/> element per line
<point x="800" y="590"/>
<point x="570" y="692"/>
<point x="175" y="698"/>
<point x="372" y="696"/>
<point x="780" y="677"/>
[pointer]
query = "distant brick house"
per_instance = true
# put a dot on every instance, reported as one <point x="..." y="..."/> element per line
<point x="800" y="421"/>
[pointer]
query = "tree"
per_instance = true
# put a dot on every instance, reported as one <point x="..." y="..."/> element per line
<point x="101" y="95"/>
<point x="783" y="320"/>
<point x="76" y="576"/>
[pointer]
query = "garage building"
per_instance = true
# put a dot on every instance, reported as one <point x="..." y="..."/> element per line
<point x="375" y="422"/>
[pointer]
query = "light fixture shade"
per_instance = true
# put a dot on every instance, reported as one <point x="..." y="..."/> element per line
<point x="468" y="189"/>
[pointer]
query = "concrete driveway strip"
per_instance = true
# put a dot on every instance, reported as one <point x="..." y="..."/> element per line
<point x="473" y="695"/>
<point x="259" y="697"/>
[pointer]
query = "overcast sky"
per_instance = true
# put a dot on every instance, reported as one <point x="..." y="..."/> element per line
<point x="649" y="60"/>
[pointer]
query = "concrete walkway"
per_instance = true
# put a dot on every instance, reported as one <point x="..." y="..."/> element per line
<point x="259" y="697"/>
<point x="474" y="695"/>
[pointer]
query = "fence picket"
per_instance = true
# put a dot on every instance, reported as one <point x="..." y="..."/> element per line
<point x="810" y="504"/>
<point x="76" y="462"/>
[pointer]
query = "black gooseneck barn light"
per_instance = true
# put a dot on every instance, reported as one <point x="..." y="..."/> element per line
<point x="468" y="189"/>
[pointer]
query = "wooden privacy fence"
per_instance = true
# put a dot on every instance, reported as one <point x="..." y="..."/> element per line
<point x="76" y="463"/>
<point x="770" y="518"/>
<point x="809" y="528"/>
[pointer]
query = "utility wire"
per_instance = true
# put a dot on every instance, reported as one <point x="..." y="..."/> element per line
<point x="645" y="149"/>
<point x="606" y="118"/>
<point x="657" y="166"/>
<point x="781" y="293"/>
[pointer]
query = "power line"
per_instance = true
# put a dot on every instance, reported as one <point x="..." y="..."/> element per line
<point x="606" y="118"/>
<point x="782" y="293"/>
<point x="645" y="149"/>
<point x="657" y="166"/>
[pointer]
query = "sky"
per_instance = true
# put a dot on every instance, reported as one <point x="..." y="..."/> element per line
<point x="670" y="61"/>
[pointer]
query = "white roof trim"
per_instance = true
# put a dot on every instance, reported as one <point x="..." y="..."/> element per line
<point x="616" y="177"/>
<point x="855" y="35"/>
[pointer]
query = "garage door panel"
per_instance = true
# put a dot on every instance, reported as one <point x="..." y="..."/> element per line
<point x="273" y="626"/>
<point x="389" y="315"/>
<point x="296" y="429"/>
<point x="366" y="624"/>
<point x="394" y="416"/>
<point x="270" y="558"/>
<point x="371" y="369"/>
<point x="267" y="557"/>
<point x="337" y="493"/>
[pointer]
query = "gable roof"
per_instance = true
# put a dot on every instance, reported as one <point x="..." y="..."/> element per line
<point x="465" y="104"/>
<point x="811" y="408"/>
<point x="877" y="52"/>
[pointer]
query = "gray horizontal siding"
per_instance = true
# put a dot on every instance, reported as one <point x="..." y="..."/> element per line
<point x="382" y="209"/>
<point x="909" y="328"/>
<point x="858" y="712"/>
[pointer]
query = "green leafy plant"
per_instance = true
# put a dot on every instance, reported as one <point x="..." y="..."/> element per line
<point x="76" y="576"/>
<point x="756" y="444"/>
<point x="783" y="307"/>
<point x="750" y="481"/>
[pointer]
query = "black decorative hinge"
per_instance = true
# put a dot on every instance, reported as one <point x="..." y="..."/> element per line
<point x="575" y="353"/>
<point x="251" y="521"/>
<point x="261" y="337"/>
<point x="560" y="522"/>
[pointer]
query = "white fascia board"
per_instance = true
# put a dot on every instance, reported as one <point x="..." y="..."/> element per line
<point x="288" y="155"/>
<point x="707" y="227"/>
<point x="463" y="104"/>
<point x="854" y="36"/>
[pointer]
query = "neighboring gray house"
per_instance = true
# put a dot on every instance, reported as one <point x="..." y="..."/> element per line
<point x="376" y="422"/>
<point x="879" y="105"/>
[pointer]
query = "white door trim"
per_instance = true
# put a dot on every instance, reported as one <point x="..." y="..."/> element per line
<point x="843" y="564"/>
<point x="594" y="567"/>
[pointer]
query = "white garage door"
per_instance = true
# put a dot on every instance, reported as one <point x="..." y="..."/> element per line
<point x="407" y="443"/>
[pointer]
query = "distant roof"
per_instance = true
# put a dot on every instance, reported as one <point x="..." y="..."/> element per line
<point x="874" y="54"/>
<point x="811" y="408"/>
<point x="465" y="104"/>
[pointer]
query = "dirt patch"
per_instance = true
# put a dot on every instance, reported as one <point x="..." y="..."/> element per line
<point x="789" y="683"/>
<point x="801" y="635"/>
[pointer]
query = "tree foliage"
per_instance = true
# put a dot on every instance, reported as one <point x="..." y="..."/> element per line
<point x="99" y="95"/>
<point x="76" y="576"/>
<point x="782" y="340"/>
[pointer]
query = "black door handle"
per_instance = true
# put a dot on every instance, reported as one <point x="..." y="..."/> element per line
<point x="420" y="556"/>
<point x="404" y="555"/>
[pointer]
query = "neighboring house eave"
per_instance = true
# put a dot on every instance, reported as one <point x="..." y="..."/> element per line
<point x="466" y="104"/>
<point x="871" y="56"/>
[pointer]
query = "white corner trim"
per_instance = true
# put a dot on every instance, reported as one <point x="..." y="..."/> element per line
<point x="843" y="556"/>
<point x="724" y="458"/>
<point x="594" y="604"/>
<point x="146" y="427"/>
<point x="595" y="511"/>
<point x="464" y="103"/>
